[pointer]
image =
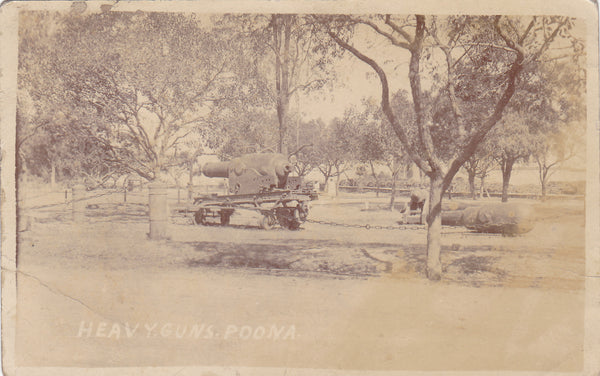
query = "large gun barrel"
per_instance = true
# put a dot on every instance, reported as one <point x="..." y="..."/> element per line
<point x="252" y="172"/>
<point x="216" y="169"/>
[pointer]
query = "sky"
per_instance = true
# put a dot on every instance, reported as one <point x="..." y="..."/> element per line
<point x="356" y="80"/>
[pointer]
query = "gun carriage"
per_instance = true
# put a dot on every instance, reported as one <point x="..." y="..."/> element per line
<point x="259" y="182"/>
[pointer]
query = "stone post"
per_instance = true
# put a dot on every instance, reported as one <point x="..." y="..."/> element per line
<point x="78" y="203"/>
<point x="190" y="191"/>
<point x="331" y="187"/>
<point x="159" y="214"/>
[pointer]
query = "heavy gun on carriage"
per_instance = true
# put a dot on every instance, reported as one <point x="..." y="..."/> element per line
<point x="258" y="182"/>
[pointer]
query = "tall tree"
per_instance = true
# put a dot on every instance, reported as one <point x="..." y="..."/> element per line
<point x="294" y="59"/>
<point x="478" y="165"/>
<point x="372" y="144"/>
<point x="558" y="130"/>
<point x="336" y="149"/>
<point x="304" y="144"/>
<point x="554" y="149"/>
<point x="49" y="142"/>
<point x="511" y="142"/>
<point x="143" y="84"/>
<point x="489" y="52"/>
<point x="377" y="141"/>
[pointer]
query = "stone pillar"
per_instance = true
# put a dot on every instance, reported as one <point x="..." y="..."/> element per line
<point x="159" y="214"/>
<point x="331" y="187"/>
<point x="78" y="203"/>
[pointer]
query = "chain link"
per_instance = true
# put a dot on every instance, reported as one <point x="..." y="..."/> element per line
<point x="367" y="226"/>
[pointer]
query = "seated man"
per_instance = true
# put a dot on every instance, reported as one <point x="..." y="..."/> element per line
<point x="416" y="205"/>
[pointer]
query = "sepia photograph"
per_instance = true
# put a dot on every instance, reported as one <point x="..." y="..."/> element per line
<point x="225" y="189"/>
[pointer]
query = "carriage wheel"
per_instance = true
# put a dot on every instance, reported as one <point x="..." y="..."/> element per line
<point x="225" y="216"/>
<point x="288" y="218"/>
<point x="200" y="217"/>
<point x="294" y="222"/>
<point x="267" y="222"/>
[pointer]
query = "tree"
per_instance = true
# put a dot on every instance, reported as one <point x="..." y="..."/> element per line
<point x="454" y="114"/>
<point x="48" y="141"/>
<point x="511" y="142"/>
<point x="293" y="50"/>
<point x="371" y="143"/>
<point x="559" y="127"/>
<point x="377" y="143"/>
<point x="304" y="144"/>
<point x="478" y="165"/>
<point x="248" y="131"/>
<point x="142" y="84"/>
<point x="336" y="149"/>
<point x="552" y="150"/>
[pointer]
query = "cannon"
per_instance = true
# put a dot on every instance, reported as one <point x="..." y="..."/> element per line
<point x="508" y="219"/>
<point x="259" y="182"/>
<point x="255" y="173"/>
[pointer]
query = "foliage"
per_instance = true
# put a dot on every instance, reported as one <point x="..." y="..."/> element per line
<point x="293" y="56"/>
<point x="463" y="72"/>
<point x="336" y="146"/>
<point x="145" y="85"/>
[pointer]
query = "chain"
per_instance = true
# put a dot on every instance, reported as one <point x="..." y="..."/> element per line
<point x="367" y="226"/>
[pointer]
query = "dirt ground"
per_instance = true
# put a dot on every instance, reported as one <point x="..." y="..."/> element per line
<point x="348" y="297"/>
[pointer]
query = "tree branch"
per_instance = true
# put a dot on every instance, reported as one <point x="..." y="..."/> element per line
<point x="398" y="29"/>
<point x="395" y="41"/>
<point x="480" y="132"/>
<point x="385" y="101"/>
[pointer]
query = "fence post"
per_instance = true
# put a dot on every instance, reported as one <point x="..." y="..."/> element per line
<point x="157" y="195"/>
<point x="331" y="187"/>
<point x="190" y="192"/>
<point x="78" y="203"/>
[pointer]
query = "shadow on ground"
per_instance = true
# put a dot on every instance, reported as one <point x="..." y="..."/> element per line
<point x="473" y="266"/>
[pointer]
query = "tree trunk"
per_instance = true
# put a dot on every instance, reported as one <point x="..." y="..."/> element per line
<point x="472" y="184"/>
<point x="190" y="180"/>
<point x="544" y="181"/>
<point x="53" y="176"/>
<point x="408" y="171"/>
<point x="374" y="177"/>
<point x="281" y="38"/>
<point x="481" y="186"/>
<point x="393" y="196"/>
<point x="543" y="191"/>
<point x="337" y="181"/>
<point x="327" y="176"/>
<point x="506" y="172"/>
<point x="434" y="229"/>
